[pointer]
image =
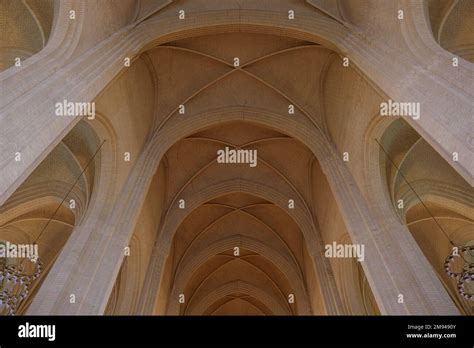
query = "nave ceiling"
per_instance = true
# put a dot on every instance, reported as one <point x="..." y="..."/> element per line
<point x="237" y="85"/>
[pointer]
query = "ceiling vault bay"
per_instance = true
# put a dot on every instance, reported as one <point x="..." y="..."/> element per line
<point x="273" y="263"/>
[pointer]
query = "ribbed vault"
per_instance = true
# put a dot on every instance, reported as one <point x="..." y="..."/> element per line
<point x="241" y="75"/>
<point x="270" y="255"/>
<point x="212" y="75"/>
<point x="266" y="240"/>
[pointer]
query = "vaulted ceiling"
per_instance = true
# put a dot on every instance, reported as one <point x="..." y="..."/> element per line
<point x="227" y="71"/>
<point x="239" y="251"/>
<point x="269" y="264"/>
